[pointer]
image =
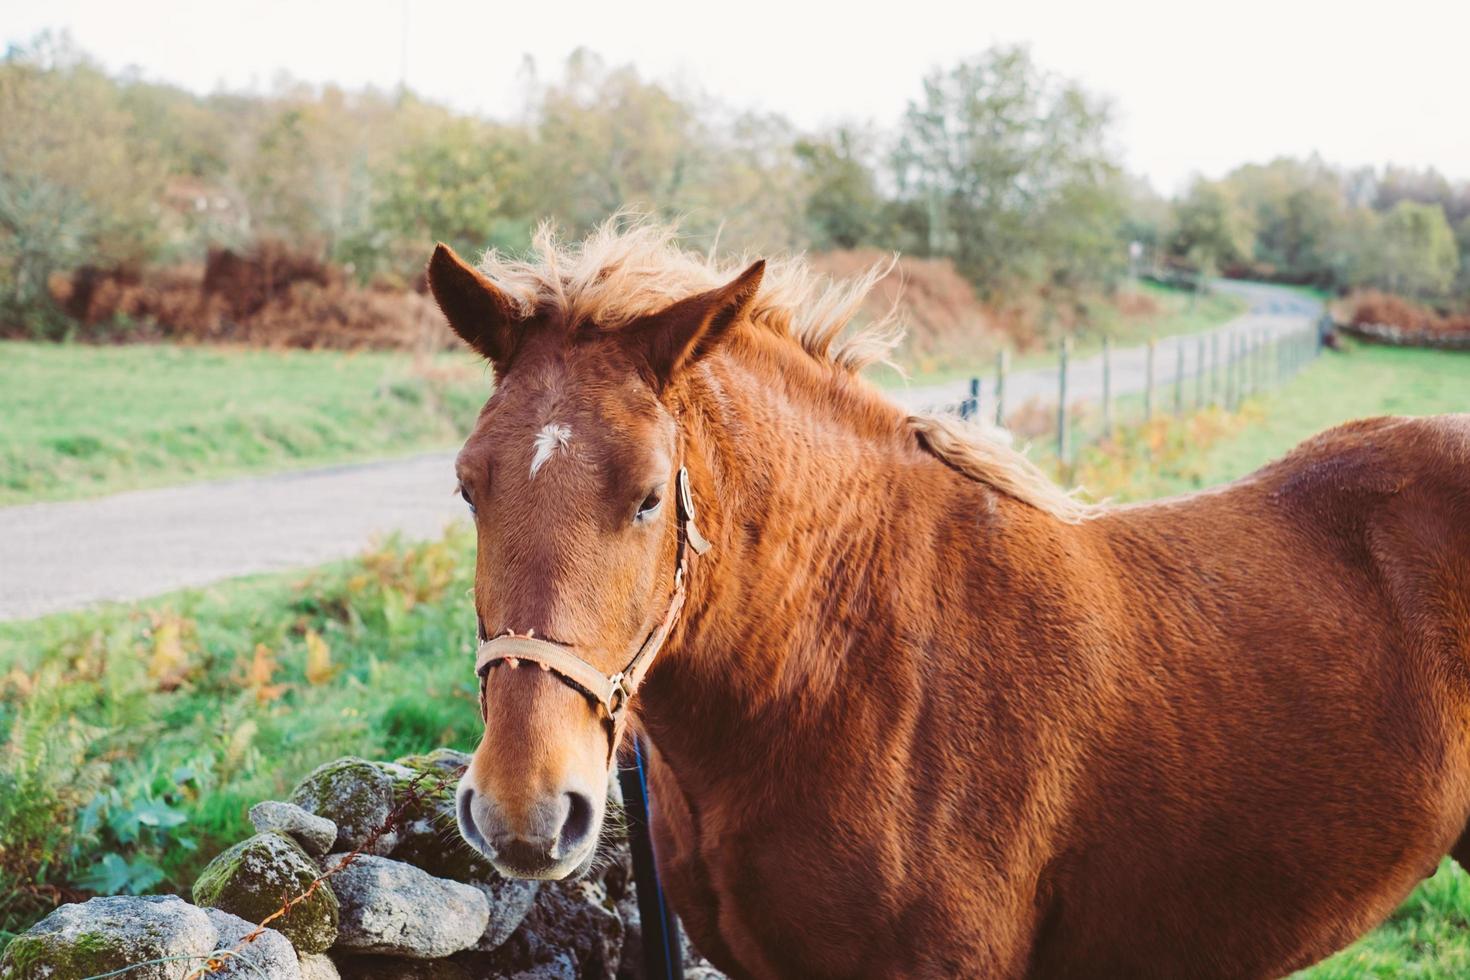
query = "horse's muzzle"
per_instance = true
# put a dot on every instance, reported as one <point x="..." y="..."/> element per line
<point x="552" y="839"/>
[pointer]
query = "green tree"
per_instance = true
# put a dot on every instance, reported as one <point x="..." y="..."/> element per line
<point x="844" y="208"/>
<point x="1210" y="229"/>
<point x="1295" y="206"/>
<point x="77" y="185"/>
<point x="1415" y="251"/>
<point x="455" y="181"/>
<point x="1462" y="241"/>
<point x="1008" y="171"/>
<point x="605" y="139"/>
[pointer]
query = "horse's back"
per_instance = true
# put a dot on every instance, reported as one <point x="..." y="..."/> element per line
<point x="1296" y="712"/>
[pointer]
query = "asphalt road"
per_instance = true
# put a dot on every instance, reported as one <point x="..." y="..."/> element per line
<point x="60" y="556"/>
<point x="132" y="545"/>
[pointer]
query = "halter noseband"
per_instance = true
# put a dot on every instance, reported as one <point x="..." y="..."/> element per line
<point x="610" y="692"/>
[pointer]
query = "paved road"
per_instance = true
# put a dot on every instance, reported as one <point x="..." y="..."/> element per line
<point x="1273" y="311"/>
<point x="69" y="555"/>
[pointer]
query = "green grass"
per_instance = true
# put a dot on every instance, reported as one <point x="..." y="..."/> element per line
<point x="78" y="420"/>
<point x="1177" y="456"/>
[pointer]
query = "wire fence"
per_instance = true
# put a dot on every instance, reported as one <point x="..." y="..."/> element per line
<point x="1092" y="396"/>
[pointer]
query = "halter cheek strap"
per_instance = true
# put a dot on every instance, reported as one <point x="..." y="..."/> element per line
<point x="610" y="692"/>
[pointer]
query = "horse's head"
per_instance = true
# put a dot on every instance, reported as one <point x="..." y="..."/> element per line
<point x="572" y="475"/>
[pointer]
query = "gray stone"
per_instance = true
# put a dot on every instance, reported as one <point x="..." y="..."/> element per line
<point x="357" y="796"/>
<point x="315" y="834"/>
<point x="396" y="909"/>
<point x="257" y="876"/>
<point x="428" y="838"/>
<point x="318" y="966"/>
<point x="571" y="922"/>
<point x="103" y="934"/>
<point x="510" y="899"/>
<point x="269" y="956"/>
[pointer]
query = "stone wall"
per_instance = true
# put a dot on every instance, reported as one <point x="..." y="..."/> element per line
<point x="360" y="874"/>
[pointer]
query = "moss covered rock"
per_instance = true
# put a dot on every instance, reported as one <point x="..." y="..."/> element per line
<point x="438" y="762"/>
<point x="103" y="934"/>
<point x="356" y="795"/>
<point x="256" y="876"/>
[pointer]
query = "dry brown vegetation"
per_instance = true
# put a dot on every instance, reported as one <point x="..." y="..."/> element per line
<point x="270" y="296"/>
<point x="1370" y="307"/>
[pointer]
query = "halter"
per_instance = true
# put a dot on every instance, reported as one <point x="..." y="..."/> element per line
<point x="609" y="692"/>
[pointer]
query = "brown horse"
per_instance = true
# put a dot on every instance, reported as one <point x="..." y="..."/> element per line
<point x="921" y="713"/>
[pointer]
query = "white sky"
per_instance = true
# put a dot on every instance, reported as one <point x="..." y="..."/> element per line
<point x="1198" y="87"/>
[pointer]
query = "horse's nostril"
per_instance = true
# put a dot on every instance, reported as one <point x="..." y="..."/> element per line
<point x="578" y="823"/>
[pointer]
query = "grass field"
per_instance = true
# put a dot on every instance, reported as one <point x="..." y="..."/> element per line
<point x="133" y="738"/>
<point x="77" y="420"/>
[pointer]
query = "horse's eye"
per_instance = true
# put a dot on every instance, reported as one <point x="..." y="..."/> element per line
<point x="468" y="502"/>
<point x="649" y="508"/>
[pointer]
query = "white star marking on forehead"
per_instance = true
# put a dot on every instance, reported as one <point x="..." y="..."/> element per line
<point x="551" y="438"/>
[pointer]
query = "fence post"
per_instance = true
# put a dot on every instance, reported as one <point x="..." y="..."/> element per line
<point x="1000" y="389"/>
<point x="1230" y="343"/>
<point x="1107" y="371"/>
<point x="1250" y="367"/>
<point x="1148" y="383"/>
<point x="974" y="398"/>
<point x="1258" y="370"/>
<point x="1215" y="368"/>
<point x="1062" y="433"/>
<point x="1179" y="376"/>
<point x="1199" y="375"/>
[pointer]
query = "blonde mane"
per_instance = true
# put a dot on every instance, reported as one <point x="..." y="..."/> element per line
<point x="630" y="268"/>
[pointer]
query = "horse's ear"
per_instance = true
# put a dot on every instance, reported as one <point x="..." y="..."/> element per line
<point x="683" y="333"/>
<point x="477" y="310"/>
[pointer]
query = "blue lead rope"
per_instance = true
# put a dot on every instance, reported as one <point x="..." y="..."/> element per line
<point x="662" y="952"/>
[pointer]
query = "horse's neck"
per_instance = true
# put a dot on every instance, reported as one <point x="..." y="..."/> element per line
<point x="801" y="496"/>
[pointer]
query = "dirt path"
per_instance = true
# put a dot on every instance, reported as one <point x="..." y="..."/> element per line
<point x="69" y="555"/>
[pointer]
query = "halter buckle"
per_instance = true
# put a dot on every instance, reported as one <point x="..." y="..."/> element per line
<point x="618" y="695"/>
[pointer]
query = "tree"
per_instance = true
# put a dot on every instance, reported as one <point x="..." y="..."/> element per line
<point x="1462" y="241"/>
<point x="1415" y="251"/>
<point x="76" y="184"/>
<point x="1294" y="206"/>
<point x="457" y="180"/>
<point x="1210" y="228"/>
<point x="1008" y="171"/>
<point x="844" y="208"/>
<point x="605" y="139"/>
